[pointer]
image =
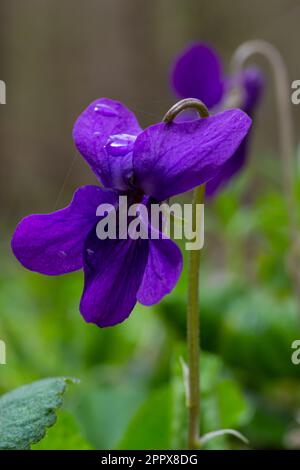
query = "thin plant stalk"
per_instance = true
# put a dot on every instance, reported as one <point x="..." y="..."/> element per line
<point x="193" y="335"/>
<point x="286" y="140"/>
<point x="193" y="322"/>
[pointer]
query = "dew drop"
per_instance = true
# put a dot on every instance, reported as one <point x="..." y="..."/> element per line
<point x="105" y="110"/>
<point x="120" y="144"/>
<point x="62" y="254"/>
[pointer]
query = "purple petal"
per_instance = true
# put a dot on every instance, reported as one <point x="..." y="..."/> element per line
<point x="54" y="243"/>
<point x="162" y="272"/>
<point x="113" y="273"/>
<point x="94" y="129"/>
<point x="170" y="159"/>
<point x="197" y="73"/>
<point x="252" y="83"/>
<point x="229" y="170"/>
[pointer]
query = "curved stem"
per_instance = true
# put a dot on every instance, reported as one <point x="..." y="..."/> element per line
<point x="282" y="87"/>
<point x="193" y="323"/>
<point x="182" y="105"/>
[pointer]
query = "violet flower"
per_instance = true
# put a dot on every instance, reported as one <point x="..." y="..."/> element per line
<point x="159" y="162"/>
<point x="197" y="73"/>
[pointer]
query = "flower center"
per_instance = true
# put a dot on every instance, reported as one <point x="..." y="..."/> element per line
<point x="119" y="145"/>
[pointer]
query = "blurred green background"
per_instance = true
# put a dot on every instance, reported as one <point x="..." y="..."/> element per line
<point x="56" y="57"/>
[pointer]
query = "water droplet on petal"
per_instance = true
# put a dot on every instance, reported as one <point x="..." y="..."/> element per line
<point x="105" y="110"/>
<point x="120" y="144"/>
<point x="90" y="252"/>
<point x="62" y="254"/>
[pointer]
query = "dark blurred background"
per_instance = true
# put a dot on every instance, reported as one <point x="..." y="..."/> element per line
<point x="58" y="55"/>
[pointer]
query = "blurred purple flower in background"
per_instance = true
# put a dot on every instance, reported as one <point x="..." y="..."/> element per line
<point x="197" y="73"/>
<point x="157" y="163"/>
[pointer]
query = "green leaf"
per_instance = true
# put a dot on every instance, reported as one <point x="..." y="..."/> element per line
<point x="210" y="370"/>
<point x="150" y="428"/>
<point x="65" y="435"/>
<point x="112" y="406"/>
<point x="233" y="410"/>
<point x="26" y="413"/>
<point x="223" y="404"/>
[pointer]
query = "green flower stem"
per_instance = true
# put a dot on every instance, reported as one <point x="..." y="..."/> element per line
<point x="286" y="141"/>
<point x="193" y="335"/>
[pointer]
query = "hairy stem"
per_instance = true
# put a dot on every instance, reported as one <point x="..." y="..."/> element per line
<point x="193" y="336"/>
